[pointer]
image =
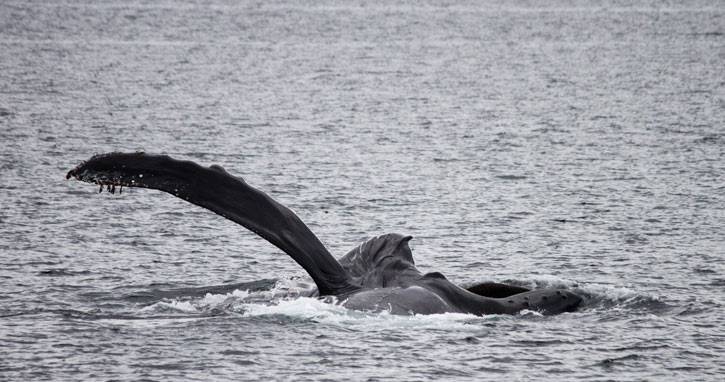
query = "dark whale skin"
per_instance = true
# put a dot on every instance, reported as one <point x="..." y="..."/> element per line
<point x="377" y="276"/>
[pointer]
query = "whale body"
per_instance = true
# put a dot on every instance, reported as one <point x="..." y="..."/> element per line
<point x="379" y="275"/>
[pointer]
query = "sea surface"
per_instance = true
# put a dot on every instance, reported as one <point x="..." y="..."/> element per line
<point x="569" y="144"/>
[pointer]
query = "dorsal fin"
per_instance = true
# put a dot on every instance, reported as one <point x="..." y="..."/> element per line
<point x="369" y="264"/>
<point x="229" y="196"/>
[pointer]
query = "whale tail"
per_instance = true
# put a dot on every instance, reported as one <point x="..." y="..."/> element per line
<point x="229" y="196"/>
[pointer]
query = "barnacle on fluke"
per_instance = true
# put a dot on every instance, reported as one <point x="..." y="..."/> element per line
<point x="110" y="177"/>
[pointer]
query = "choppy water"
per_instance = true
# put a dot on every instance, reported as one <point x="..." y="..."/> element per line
<point x="570" y="144"/>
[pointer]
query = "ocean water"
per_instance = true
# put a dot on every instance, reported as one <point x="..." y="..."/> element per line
<point x="578" y="145"/>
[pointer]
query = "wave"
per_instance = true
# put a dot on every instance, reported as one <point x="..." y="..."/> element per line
<point x="600" y="296"/>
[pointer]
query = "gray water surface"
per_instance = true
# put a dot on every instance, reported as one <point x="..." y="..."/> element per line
<point x="578" y="145"/>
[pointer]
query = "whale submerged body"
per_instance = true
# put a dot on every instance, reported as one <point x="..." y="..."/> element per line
<point x="377" y="276"/>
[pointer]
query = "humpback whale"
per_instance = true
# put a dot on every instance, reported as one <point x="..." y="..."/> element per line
<point x="379" y="275"/>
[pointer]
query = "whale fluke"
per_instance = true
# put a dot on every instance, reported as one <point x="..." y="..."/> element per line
<point x="231" y="197"/>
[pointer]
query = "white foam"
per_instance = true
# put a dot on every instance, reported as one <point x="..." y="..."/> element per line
<point x="173" y="305"/>
<point x="319" y="311"/>
<point x="613" y="293"/>
<point x="303" y="307"/>
<point x="283" y="289"/>
<point x="218" y="299"/>
<point x="529" y="313"/>
<point x="551" y="281"/>
<point x="209" y="301"/>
